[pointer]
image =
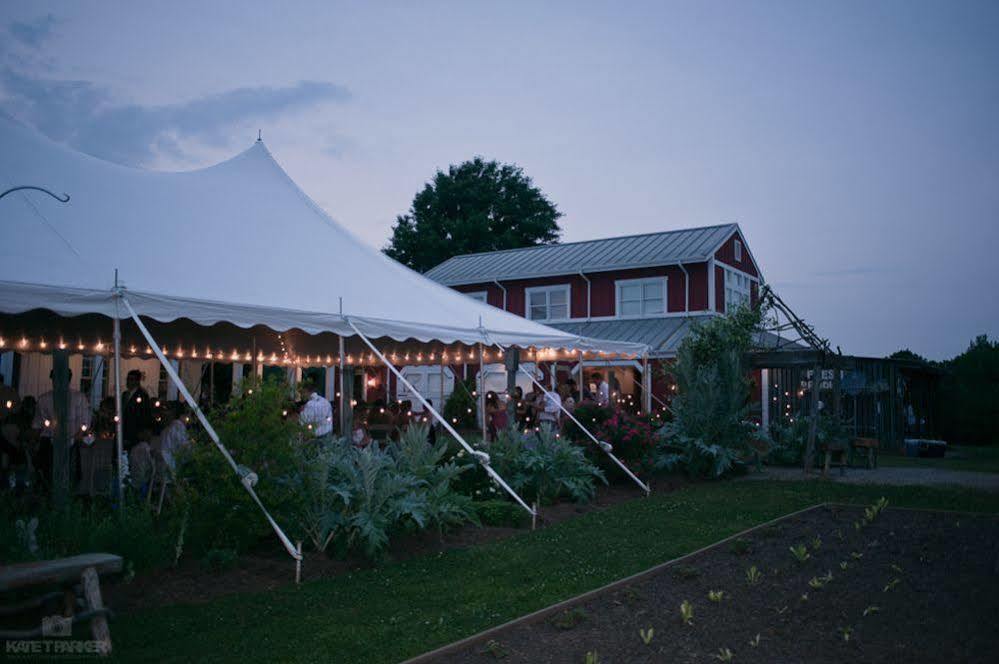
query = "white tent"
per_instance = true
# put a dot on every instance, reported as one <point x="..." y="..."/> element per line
<point x="237" y="242"/>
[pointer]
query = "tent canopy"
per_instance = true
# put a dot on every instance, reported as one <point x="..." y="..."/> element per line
<point x="235" y="243"/>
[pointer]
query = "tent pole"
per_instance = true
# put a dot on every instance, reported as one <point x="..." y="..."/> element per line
<point x="344" y="401"/>
<point x="581" y="378"/>
<point x="479" y="455"/>
<point x="247" y="478"/>
<point x="482" y="393"/>
<point x="119" y="431"/>
<point x="606" y="447"/>
<point x="440" y="404"/>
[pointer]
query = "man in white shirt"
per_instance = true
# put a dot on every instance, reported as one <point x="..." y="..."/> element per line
<point x="317" y="413"/>
<point x="603" y="390"/>
<point x="553" y="406"/>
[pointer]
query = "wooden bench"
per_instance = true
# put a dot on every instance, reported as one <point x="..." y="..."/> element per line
<point x="866" y="448"/>
<point x="84" y="570"/>
<point x="837" y="449"/>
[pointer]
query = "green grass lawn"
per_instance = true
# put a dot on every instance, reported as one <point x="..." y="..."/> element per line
<point x="982" y="459"/>
<point x="402" y="609"/>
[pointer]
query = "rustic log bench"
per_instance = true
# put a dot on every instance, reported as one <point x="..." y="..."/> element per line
<point x="84" y="570"/>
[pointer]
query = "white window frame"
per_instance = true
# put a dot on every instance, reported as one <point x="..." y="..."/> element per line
<point x="737" y="250"/>
<point x="479" y="296"/>
<point x="748" y="292"/>
<point x="547" y="290"/>
<point x="640" y="282"/>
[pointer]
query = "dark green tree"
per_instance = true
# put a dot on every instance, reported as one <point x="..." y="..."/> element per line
<point x="969" y="394"/>
<point x="476" y="206"/>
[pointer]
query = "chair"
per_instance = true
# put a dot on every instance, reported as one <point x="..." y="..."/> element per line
<point x="866" y="448"/>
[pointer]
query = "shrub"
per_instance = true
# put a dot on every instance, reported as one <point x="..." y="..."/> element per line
<point x="459" y="409"/>
<point x="631" y="437"/>
<point x="497" y="512"/>
<point x="789" y="439"/>
<point x="255" y="430"/>
<point x="710" y="434"/>
<point x="544" y="467"/>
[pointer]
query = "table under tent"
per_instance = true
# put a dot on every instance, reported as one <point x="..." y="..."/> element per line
<point x="232" y="261"/>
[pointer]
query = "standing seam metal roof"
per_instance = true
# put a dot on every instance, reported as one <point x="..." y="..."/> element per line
<point x="632" y="251"/>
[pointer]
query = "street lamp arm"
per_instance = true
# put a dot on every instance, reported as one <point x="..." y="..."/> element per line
<point x="63" y="199"/>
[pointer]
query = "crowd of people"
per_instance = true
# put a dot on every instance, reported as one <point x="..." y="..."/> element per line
<point x="153" y="432"/>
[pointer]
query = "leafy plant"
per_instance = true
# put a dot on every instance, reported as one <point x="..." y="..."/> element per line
<point x="755" y="641"/>
<point x="871" y="513"/>
<point x="711" y="434"/>
<point x="753" y="575"/>
<point x="724" y="655"/>
<point x="871" y="610"/>
<point x="569" y="618"/>
<point x="843" y="565"/>
<point x="847" y="633"/>
<point x="494" y="648"/>
<point x="686" y="572"/>
<point x="816" y="583"/>
<point x="800" y="552"/>
<point x="816" y="543"/>
<point x="687" y="612"/>
<point x="856" y="555"/>
<point x="544" y="467"/>
<point x="716" y="595"/>
<point x="646" y="635"/>
<point x="591" y="657"/>
<point x="891" y="584"/>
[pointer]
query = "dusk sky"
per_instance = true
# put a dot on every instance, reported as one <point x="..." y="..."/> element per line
<point x="856" y="143"/>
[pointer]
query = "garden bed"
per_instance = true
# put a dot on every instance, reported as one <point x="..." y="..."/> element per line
<point x="194" y="582"/>
<point x="907" y="585"/>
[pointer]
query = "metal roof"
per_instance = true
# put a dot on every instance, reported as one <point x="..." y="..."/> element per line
<point x="616" y="253"/>
<point x="662" y="335"/>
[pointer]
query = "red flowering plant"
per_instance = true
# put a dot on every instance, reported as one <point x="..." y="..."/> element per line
<point x="632" y="437"/>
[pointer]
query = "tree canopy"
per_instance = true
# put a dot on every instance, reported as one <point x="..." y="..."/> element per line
<point x="476" y="206"/>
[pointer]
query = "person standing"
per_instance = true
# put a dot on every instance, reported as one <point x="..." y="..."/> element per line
<point x="317" y="413"/>
<point x="548" y="414"/>
<point x="603" y="390"/>
<point x="136" y="410"/>
<point x="44" y="423"/>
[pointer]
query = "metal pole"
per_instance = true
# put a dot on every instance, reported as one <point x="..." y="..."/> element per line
<point x="482" y="392"/>
<point x="482" y="457"/>
<point x="119" y="430"/>
<point x="441" y="404"/>
<point x="344" y="401"/>
<point x="581" y="377"/>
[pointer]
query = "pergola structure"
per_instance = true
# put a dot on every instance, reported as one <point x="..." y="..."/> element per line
<point x="232" y="261"/>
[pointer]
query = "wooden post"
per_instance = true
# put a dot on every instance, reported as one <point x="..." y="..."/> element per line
<point x="814" y="417"/>
<point x="92" y="602"/>
<point x="61" y="434"/>
<point x="298" y="563"/>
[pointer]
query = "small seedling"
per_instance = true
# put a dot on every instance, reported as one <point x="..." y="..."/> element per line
<point x="816" y="543"/>
<point x="716" y="595"/>
<point x="892" y="584"/>
<point x="687" y="612"/>
<point x="816" y="583"/>
<point x="646" y="635"/>
<point x="755" y="641"/>
<point x="494" y="648"/>
<point x="724" y="655"/>
<point x="804" y="597"/>
<point x="895" y="568"/>
<point x="569" y="618"/>
<point x="856" y="555"/>
<point x="843" y="565"/>
<point x="592" y="657"/>
<point x="872" y="512"/>
<point x="686" y="572"/>
<point x="753" y="575"/>
<point x="839" y="535"/>
<point x="781" y="610"/>
<point x="871" y="610"/>
<point x="847" y="632"/>
<point x="739" y="547"/>
<point x="827" y="577"/>
<point x="800" y="552"/>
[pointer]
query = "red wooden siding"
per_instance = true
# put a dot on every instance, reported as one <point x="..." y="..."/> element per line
<point x="726" y="254"/>
<point x="603" y="293"/>
<point x="719" y="289"/>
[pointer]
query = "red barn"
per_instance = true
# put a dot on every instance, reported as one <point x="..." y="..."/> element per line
<point x="649" y="288"/>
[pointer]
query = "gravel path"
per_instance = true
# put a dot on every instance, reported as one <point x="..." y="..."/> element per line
<point x="894" y="476"/>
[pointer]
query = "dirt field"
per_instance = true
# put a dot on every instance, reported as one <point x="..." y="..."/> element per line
<point x="910" y="586"/>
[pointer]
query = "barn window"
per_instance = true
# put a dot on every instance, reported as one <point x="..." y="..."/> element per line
<point x="738" y="251"/>
<point x="548" y="303"/>
<point x="641" y="297"/>
<point x="480" y="296"/>
<point x="737" y="290"/>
